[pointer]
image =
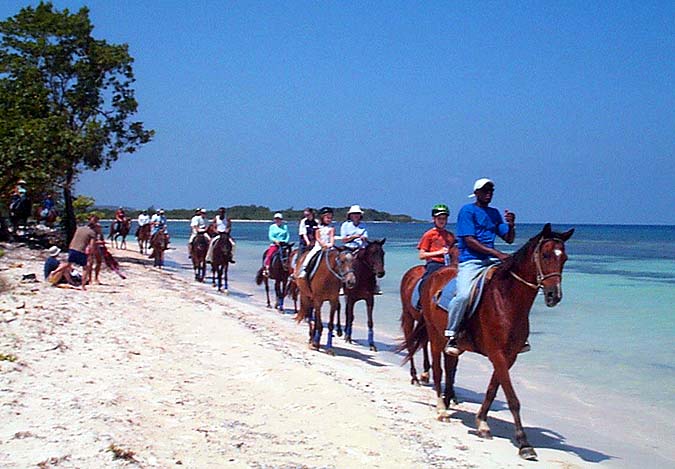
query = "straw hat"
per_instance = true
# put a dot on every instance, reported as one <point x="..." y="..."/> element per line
<point x="54" y="251"/>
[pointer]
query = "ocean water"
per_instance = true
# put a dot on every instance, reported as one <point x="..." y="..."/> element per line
<point x="613" y="331"/>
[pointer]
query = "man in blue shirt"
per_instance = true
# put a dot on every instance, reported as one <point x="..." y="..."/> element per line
<point x="478" y="225"/>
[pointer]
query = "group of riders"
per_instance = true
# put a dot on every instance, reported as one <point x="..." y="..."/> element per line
<point x="20" y="207"/>
<point x="471" y="248"/>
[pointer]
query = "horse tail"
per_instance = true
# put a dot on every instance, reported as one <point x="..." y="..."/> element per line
<point x="414" y="343"/>
<point x="259" y="277"/>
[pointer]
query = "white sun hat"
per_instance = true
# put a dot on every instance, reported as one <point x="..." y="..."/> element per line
<point x="479" y="184"/>
<point x="355" y="209"/>
<point x="54" y="251"/>
<point x="278" y="215"/>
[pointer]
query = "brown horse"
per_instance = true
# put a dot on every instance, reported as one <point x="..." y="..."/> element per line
<point x="279" y="271"/>
<point x="409" y="318"/>
<point x="143" y="236"/>
<point x="159" y="243"/>
<point x="368" y="265"/>
<point x="220" y="262"/>
<point x="200" y="245"/>
<point x="335" y="267"/>
<point x="500" y="325"/>
<point x="118" y="229"/>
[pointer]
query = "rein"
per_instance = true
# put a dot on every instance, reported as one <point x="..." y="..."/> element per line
<point x="537" y="262"/>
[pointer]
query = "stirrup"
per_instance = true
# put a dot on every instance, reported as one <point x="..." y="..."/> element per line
<point x="451" y="348"/>
<point x="526" y="347"/>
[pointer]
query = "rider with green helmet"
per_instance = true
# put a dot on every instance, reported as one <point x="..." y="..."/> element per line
<point x="435" y="246"/>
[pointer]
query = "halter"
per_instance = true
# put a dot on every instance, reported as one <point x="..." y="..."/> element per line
<point x="340" y="277"/>
<point x="537" y="262"/>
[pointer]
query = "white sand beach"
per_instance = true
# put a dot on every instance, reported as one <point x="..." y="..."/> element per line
<point x="155" y="371"/>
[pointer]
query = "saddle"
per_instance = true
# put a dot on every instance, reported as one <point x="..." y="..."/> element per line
<point x="443" y="297"/>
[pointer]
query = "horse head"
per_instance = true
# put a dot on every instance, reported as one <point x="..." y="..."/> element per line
<point x="345" y="266"/>
<point x="373" y="256"/>
<point x="549" y="258"/>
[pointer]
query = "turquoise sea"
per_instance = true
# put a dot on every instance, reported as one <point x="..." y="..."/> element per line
<point x="614" y="329"/>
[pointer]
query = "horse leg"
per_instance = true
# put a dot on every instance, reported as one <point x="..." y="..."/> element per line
<point x="317" y="326"/>
<point x="371" y="333"/>
<point x="329" y="339"/>
<point x="481" y="416"/>
<point x="267" y="292"/>
<point x="223" y="271"/>
<point x="407" y="324"/>
<point x="450" y="370"/>
<point x="526" y="451"/>
<point x="424" y="377"/>
<point x="349" y="319"/>
<point x="436" y="352"/>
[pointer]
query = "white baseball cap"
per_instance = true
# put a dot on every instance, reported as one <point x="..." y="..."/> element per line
<point x="278" y="215"/>
<point x="355" y="209"/>
<point x="479" y="184"/>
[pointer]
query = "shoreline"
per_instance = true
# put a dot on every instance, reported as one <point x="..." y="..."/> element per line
<point x="124" y="361"/>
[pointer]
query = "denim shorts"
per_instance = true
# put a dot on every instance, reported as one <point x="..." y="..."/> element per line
<point x="77" y="257"/>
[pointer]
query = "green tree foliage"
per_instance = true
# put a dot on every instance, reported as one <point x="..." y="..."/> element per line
<point x="67" y="101"/>
<point x="84" y="207"/>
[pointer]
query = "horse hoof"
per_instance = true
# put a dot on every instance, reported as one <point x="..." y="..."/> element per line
<point x="348" y="339"/>
<point x="373" y="348"/>
<point x="414" y="381"/>
<point x="453" y="402"/>
<point x="330" y="352"/>
<point x="313" y="346"/>
<point x="424" y="377"/>
<point x="443" y="416"/>
<point x="339" y="332"/>
<point x="528" y="453"/>
<point x="486" y="434"/>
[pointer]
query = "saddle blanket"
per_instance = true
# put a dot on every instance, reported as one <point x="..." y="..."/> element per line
<point x="445" y="296"/>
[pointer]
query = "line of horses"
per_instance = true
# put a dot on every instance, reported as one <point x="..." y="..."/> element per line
<point x="497" y="329"/>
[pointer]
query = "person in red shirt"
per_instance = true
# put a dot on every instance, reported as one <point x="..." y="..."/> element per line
<point x="436" y="245"/>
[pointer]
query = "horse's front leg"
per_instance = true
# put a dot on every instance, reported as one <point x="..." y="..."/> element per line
<point x="334" y="308"/>
<point x="371" y="333"/>
<point x="436" y="352"/>
<point x="481" y="416"/>
<point x="224" y="277"/>
<point x="424" y="377"/>
<point x="450" y="371"/>
<point x="501" y="365"/>
<point x="316" y="326"/>
<point x="349" y="319"/>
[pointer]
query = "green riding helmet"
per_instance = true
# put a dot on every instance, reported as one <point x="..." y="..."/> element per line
<point x="440" y="209"/>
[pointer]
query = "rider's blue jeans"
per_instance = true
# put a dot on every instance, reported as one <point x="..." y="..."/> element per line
<point x="468" y="272"/>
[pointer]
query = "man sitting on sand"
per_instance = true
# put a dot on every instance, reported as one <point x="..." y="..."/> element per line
<point x="58" y="273"/>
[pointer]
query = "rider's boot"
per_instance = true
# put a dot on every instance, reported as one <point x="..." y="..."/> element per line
<point x="526" y="347"/>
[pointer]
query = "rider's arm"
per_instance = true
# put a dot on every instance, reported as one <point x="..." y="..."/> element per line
<point x="510" y="227"/>
<point x="475" y="245"/>
<point x="331" y="238"/>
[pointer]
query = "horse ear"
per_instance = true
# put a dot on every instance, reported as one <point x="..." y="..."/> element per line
<point x="547" y="232"/>
<point x="383" y="240"/>
<point x="567" y="235"/>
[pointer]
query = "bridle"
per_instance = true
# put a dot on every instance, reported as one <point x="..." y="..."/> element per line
<point x="537" y="262"/>
<point x="338" y="262"/>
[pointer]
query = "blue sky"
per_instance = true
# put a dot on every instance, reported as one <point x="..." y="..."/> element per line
<point x="568" y="106"/>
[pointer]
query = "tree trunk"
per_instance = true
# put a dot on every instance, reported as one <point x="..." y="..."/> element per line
<point x="69" y="221"/>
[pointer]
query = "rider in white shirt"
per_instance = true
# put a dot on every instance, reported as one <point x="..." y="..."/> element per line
<point x="143" y="218"/>
<point x="223" y="225"/>
<point x="197" y="225"/>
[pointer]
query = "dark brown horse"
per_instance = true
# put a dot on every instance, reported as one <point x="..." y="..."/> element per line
<point x="159" y="243"/>
<point x="368" y="267"/>
<point x="220" y="260"/>
<point x="500" y="325"/>
<point x="118" y="229"/>
<point x="143" y="236"/>
<point x="335" y="268"/>
<point x="19" y="211"/>
<point x="200" y="246"/>
<point x="410" y="317"/>
<point x="279" y="271"/>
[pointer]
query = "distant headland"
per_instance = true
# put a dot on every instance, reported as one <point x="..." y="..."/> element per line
<point x="258" y="212"/>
